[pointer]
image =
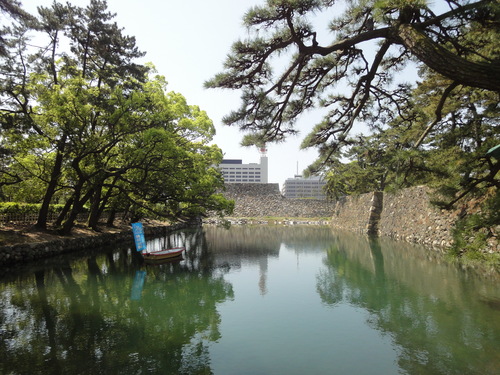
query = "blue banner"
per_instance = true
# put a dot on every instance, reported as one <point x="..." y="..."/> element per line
<point x="140" y="241"/>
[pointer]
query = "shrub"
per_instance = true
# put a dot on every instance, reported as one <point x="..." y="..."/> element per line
<point x="26" y="208"/>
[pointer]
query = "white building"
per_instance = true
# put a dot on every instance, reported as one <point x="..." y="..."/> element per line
<point x="299" y="187"/>
<point x="234" y="171"/>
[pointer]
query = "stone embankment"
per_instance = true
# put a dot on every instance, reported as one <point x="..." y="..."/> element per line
<point x="27" y="252"/>
<point x="265" y="200"/>
<point x="406" y="215"/>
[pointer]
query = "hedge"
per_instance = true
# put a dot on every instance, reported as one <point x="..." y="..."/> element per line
<point x="26" y="208"/>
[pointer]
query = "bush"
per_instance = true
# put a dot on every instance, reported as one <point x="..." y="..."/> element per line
<point x="26" y="208"/>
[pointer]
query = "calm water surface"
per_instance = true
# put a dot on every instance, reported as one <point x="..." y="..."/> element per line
<point x="251" y="300"/>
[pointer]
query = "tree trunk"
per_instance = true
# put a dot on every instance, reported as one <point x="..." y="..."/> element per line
<point x="111" y="218"/>
<point x="41" y="222"/>
<point x="99" y="205"/>
<point x="64" y="212"/>
<point x="75" y="210"/>
<point x="94" y="209"/>
<point x="483" y="75"/>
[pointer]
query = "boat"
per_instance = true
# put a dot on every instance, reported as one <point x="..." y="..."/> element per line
<point x="160" y="255"/>
<point x="157" y="255"/>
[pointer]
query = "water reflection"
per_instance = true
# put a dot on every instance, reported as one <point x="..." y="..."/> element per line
<point x="432" y="310"/>
<point x="259" y="244"/>
<point x="138" y="285"/>
<point x="79" y="317"/>
<point x="107" y="312"/>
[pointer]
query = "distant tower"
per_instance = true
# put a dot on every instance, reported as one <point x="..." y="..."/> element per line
<point x="263" y="150"/>
<point x="263" y="163"/>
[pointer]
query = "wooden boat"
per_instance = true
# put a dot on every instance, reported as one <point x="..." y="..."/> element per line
<point x="160" y="255"/>
<point x="157" y="255"/>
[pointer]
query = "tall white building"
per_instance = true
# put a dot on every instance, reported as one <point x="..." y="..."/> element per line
<point x="234" y="171"/>
<point x="299" y="187"/>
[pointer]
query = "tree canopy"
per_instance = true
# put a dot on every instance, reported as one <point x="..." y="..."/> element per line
<point x="408" y="70"/>
<point x="86" y="126"/>
<point x="420" y="78"/>
<point x="353" y="73"/>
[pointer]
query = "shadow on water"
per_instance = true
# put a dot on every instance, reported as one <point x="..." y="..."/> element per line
<point x="418" y="298"/>
<point x="78" y="317"/>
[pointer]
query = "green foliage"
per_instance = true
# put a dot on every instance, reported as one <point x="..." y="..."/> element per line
<point x="357" y="81"/>
<point x="347" y="73"/>
<point x="439" y="139"/>
<point x="474" y="232"/>
<point x="94" y="130"/>
<point x="433" y="130"/>
<point x="25" y="208"/>
<point x="351" y="179"/>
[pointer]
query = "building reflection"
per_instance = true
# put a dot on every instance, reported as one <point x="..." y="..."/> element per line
<point x="257" y="244"/>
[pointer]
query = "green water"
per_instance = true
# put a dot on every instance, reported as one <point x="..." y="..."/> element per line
<point x="251" y="300"/>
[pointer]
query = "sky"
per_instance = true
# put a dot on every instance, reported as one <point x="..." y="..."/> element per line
<point x="188" y="41"/>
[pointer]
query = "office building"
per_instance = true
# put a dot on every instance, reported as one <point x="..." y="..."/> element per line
<point x="234" y="171"/>
<point x="299" y="187"/>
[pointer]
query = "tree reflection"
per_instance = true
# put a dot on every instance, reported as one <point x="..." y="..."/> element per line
<point x="417" y="303"/>
<point x="78" y="317"/>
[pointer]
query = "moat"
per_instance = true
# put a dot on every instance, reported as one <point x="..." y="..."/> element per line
<point x="251" y="300"/>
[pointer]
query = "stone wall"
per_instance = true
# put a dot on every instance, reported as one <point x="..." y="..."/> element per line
<point x="265" y="200"/>
<point x="406" y="215"/>
<point x="353" y="213"/>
